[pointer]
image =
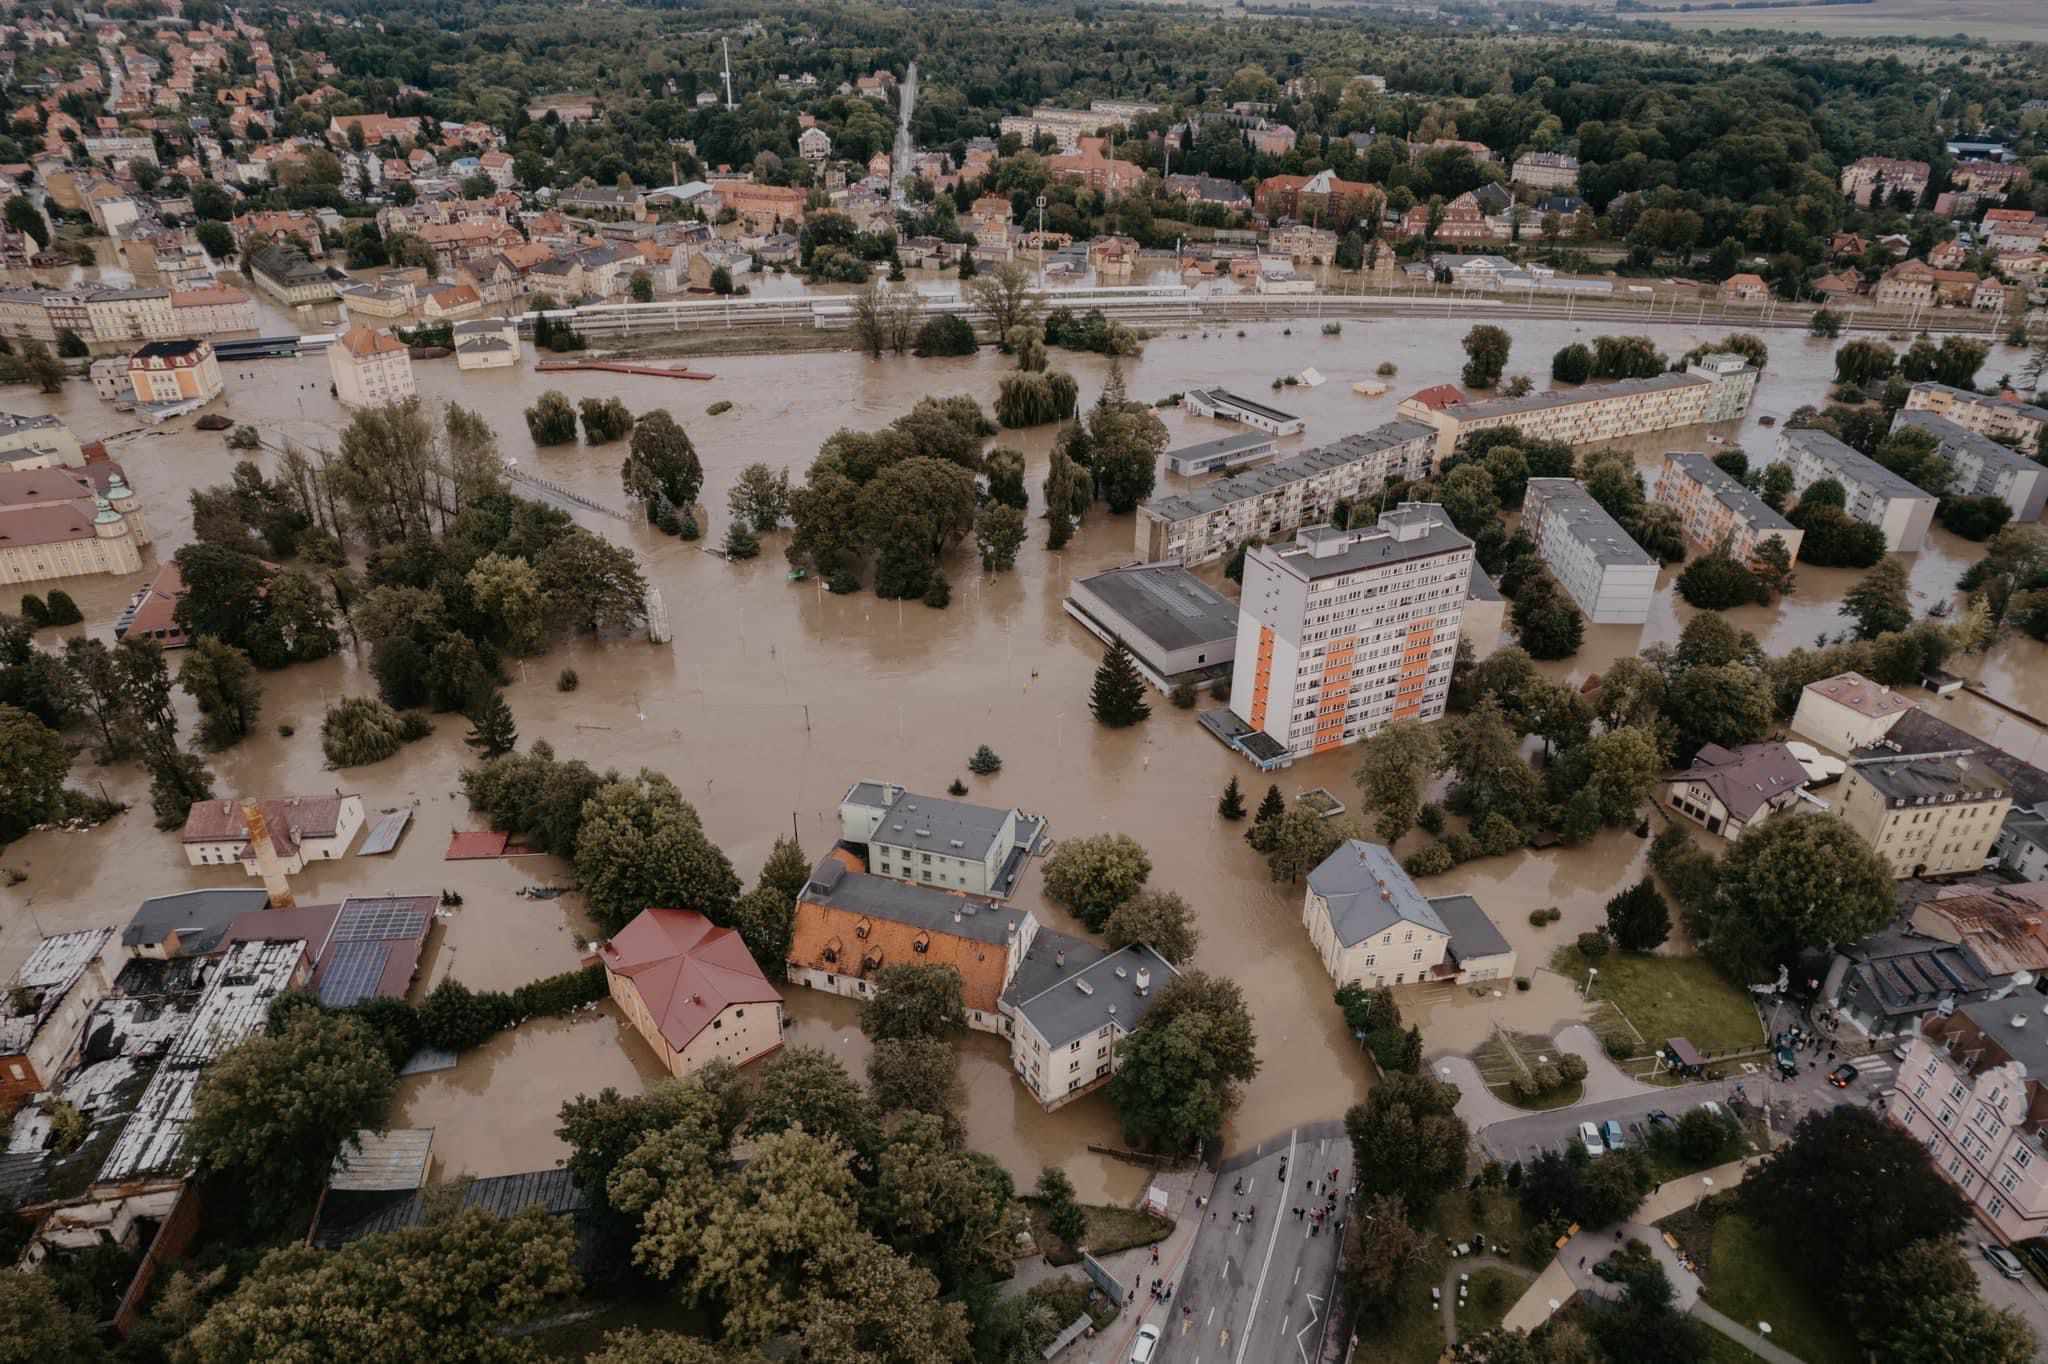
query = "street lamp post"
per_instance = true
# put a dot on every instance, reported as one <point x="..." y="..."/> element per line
<point x="1591" y="971"/>
<point x="1041" y="241"/>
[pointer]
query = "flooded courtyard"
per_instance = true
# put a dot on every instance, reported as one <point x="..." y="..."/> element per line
<point x="774" y="697"/>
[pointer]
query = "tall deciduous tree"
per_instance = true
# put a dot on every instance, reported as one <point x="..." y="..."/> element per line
<point x="914" y="999"/>
<point x="1093" y="875"/>
<point x="1880" y="603"/>
<point x="1393" y="765"/>
<point x="1800" y="881"/>
<point x="1159" y="919"/>
<point x="441" y="1290"/>
<point x="1486" y="355"/>
<point x="33" y="765"/>
<point x="1177" y="1073"/>
<point x="220" y="678"/>
<point x="640" y="844"/>
<point x="273" y="1111"/>
<point x="661" y="462"/>
<point x="1407" y="1139"/>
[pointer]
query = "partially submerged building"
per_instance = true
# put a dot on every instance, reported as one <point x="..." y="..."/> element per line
<point x="691" y="990"/>
<point x="939" y="842"/>
<point x="1177" y="627"/>
<point x="1372" y="927"/>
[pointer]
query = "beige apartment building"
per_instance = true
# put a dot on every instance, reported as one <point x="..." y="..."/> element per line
<point x="1214" y="519"/>
<point x="1847" y="712"/>
<point x="211" y="310"/>
<point x="1713" y="506"/>
<point x="1714" y="388"/>
<point x="1926" y="814"/>
<point x="174" y="372"/>
<point x="1341" y="631"/>
<point x="1998" y="418"/>
<point x="1972" y="1090"/>
<point x="370" y="368"/>
<point x="37" y="442"/>
<point x="1372" y="927"/>
<point x="129" y="315"/>
<point x="692" y="991"/>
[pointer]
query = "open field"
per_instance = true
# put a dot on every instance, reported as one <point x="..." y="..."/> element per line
<point x="1746" y="1278"/>
<point x="1991" y="20"/>
<point x="1668" y="997"/>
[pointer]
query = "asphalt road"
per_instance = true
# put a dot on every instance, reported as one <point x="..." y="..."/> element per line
<point x="1257" y="1292"/>
<point x="1523" y="1138"/>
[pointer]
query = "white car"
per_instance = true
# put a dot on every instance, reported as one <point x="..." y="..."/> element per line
<point x="1589" y="1137"/>
<point x="2002" y="1260"/>
<point x="1146" y="1345"/>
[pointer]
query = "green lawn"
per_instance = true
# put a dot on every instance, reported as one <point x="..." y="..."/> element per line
<point x="1413" y="1332"/>
<point x="1749" y="1279"/>
<point x="1669" y="997"/>
<point x="1488" y="1297"/>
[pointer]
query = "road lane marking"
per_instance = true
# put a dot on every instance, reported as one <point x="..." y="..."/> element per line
<point x="1259" y="1291"/>
<point x="1313" y="1317"/>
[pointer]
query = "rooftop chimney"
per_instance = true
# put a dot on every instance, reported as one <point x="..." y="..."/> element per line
<point x="1144" y="980"/>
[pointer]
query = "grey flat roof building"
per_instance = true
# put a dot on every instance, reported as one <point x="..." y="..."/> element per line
<point x="1851" y="463"/>
<point x="1572" y="397"/>
<point x="2028" y="410"/>
<point x="1983" y="467"/>
<point x="1224" y="452"/>
<point x="1258" y="482"/>
<point x="933" y="823"/>
<point x="1172" y="621"/>
<point x="1907" y="778"/>
<point x="1586" y="521"/>
<point x="1413" y="530"/>
<point x="1730" y="493"/>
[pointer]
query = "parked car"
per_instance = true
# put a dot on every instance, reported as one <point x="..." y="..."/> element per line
<point x="1841" y="1076"/>
<point x="1899" y="1052"/>
<point x="1659" y="1118"/>
<point x="1712" y="1108"/>
<point x="2002" y="1260"/>
<point x="2038" y="1253"/>
<point x="1612" y="1131"/>
<point x="1589" y="1137"/>
<point x="1146" y="1345"/>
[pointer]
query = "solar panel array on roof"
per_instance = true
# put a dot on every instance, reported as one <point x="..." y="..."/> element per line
<point x="353" y="973"/>
<point x="373" y="920"/>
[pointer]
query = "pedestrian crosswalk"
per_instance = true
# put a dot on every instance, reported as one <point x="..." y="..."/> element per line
<point x="1872" y="1063"/>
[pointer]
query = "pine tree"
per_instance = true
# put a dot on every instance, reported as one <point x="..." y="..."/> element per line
<point x="1118" y="698"/>
<point x="984" y="763"/>
<point x="491" y="728"/>
<point x="1272" y="807"/>
<point x="1232" y="804"/>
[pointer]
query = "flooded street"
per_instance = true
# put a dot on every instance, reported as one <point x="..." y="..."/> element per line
<point x="775" y="696"/>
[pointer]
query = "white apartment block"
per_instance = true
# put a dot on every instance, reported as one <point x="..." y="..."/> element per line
<point x="933" y="841"/>
<point x="1341" y="631"/>
<point x="370" y="368"/>
<point x="1609" y="575"/>
<point x="1998" y="418"/>
<point x="1712" y="506"/>
<point x="1213" y="520"/>
<point x="1546" y="170"/>
<point x="1875" y="495"/>
<point x="1847" y="711"/>
<point x="1971" y="1089"/>
<point x="125" y="317"/>
<point x="1983" y="467"/>
<point x="1716" y="387"/>
<point x="1069" y="126"/>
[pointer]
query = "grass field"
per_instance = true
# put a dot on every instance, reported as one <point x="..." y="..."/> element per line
<point x="1666" y="997"/>
<point x="1110" y="1229"/>
<point x="1748" y="1278"/>
<point x="1505" y="1055"/>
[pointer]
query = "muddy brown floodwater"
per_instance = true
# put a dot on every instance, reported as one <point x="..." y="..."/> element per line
<point x="775" y="696"/>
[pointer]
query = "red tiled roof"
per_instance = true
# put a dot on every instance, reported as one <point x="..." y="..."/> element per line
<point x="686" y="970"/>
<point x="46" y="523"/>
<point x="361" y="342"/>
<point x="1438" y="398"/>
<point x="290" y="818"/>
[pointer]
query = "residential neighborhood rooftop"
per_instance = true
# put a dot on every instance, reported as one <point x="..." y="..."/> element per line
<point x="1748" y="778"/>
<point x="836" y="886"/>
<point x="1871" y="699"/>
<point x="1170" y="606"/>
<point x="1369" y="893"/>
<point x="1729" y="492"/>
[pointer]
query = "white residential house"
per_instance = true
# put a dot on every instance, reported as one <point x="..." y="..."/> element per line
<point x="302" y="828"/>
<point x="933" y="841"/>
<point x="1373" y="928"/>
<point x="1847" y="712"/>
<point x="370" y="368"/>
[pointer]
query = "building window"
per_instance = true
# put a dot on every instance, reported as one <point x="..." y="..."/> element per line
<point x="1947" y="1115"/>
<point x="2022" y="1157"/>
<point x="1997" y="1205"/>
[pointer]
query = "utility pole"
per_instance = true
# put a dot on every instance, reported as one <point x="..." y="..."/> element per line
<point x="726" y="48"/>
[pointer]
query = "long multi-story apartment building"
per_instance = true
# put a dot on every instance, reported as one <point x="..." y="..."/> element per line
<point x="1716" y="387"/>
<point x="1069" y="126"/>
<point x="1272" y="502"/>
<point x="1884" y="176"/>
<point x="1926" y="814"/>
<point x="1983" y="467"/>
<point x="1341" y="631"/>
<point x="1713" y="505"/>
<point x="1972" y="1088"/>
<point x="1998" y="418"/>
<point x="1609" y="575"/>
<point x="1875" y="495"/>
<point x="125" y="318"/>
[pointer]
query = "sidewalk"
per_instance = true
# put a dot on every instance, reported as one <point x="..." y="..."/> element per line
<point x="1743" y="1336"/>
<point x="1133" y="1268"/>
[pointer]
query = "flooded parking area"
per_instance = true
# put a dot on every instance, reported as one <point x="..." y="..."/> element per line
<point x="775" y="696"/>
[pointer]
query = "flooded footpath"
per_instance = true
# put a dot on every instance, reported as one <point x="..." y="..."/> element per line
<point x="774" y="697"/>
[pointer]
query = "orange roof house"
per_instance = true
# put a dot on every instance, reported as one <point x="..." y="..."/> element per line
<point x="692" y="990"/>
<point x="762" y="205"/>
<point x="850" y="925"/>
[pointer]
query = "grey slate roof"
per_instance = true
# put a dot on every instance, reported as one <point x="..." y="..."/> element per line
<point x="1729" y="493"/>
<point x="1045" y="991"/>
<point x="834" y="886"/>
<point x="554" y="1191"/>
<point x="1852" y="465"/>
<point x="199" y="917"/>
<point x="2039" y="414"/>
<point x="1472" y="933"/>
<point x="1368" y="893"/>
<point x="1907" y="778"/>
<point x="1921" y="731"/>
<point x="1745" y="779"/>
<point x="932" y="823"/>
<point x="1993" y="458"/>
<point x="1165" y="603"/>
<point x="1377" y="545"/>
<point x="1587" y="522"/>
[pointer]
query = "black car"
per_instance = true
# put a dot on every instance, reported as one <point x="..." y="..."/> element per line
<point x="1841" y="1075"/>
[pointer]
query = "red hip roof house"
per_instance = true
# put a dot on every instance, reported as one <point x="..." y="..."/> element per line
<point x="692" y="990"/>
